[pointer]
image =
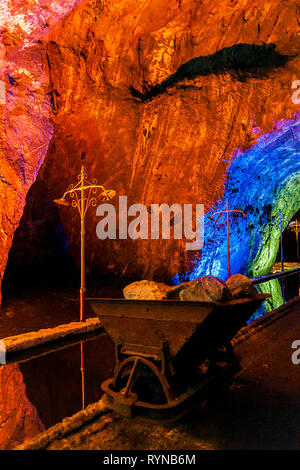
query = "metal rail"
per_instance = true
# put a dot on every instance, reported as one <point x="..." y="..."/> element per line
<point x="289" y="272"/>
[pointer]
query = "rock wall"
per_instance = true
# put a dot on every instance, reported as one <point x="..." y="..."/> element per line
<point x="19" y="419"/>
<point x="264" y="182"/>
<point x="26" y="117"/>
<point x="158" y="97"/>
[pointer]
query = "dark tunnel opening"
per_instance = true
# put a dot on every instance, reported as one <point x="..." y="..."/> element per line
<point x="290" y="243"/>
<point x="39" y="256"/>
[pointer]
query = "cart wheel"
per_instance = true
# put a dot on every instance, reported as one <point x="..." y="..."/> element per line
<point x="142" y="377"/>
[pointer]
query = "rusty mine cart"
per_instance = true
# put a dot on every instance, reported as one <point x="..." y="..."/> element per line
<point x="169" y="353"/>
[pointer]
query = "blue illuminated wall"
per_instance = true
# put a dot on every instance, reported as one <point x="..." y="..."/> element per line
<point x="261" y="181"/>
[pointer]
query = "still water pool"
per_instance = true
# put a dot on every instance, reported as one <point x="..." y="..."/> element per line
<point x="38" y="392"/>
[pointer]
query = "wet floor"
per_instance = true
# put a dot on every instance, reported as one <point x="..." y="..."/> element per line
<point x="57" y="386"/>
<point x="282" y="290"/>
<point x="46" y="307"/>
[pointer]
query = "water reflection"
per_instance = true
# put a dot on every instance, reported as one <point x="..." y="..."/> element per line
<point x="18" y="416"/>
<point x="281" y="290"/>
<point x="40" y="392"/>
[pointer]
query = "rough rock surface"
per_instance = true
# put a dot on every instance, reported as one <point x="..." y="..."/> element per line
<point x="147" y="290"/>
<point x="65" y="427"/>
<point x="195" y="293"/>
<point x="18" y="417"/>
<point x="206" y="289"/>
<point x="152" y="290"/>
<point x="26" y="117"/>
<point x="215" y="288"/>
<point x="240" y="286"/>
<point x="174" y="292"/>
<point x="157" y="97"/>
<point x="36" y="338"/>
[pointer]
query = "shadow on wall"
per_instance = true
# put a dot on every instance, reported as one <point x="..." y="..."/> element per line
<point x="242" y="58"/>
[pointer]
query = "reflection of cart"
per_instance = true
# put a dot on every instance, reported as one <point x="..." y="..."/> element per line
<point x="168" y="350"/>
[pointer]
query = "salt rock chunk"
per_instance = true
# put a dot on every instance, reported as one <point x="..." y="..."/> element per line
<point x="215" y="288"/>
<point x="174" y="291"/>
<point x="240" y="286"/>
<point x="146" y="290"/>
<point x="195" y="293"/>
<point x="206" y="289"/>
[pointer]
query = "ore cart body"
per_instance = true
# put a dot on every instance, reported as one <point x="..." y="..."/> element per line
<point x="169" y="351"/>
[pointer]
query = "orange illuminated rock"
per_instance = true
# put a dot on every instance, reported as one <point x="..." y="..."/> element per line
<point x="155" y="126"/>
<point x="158" y="97"/>
<point x="240" y="286"/>
<point x="26" y="118"/>
<point x="19" y="419"/>
<point x="146" y="290"/>
<point x="206" y="289"/>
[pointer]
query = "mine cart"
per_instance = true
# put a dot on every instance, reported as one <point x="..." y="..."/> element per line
<point x="168" y="352"/>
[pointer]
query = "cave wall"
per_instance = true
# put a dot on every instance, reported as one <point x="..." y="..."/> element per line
<point x="264" y="182"/>
<point x="26" y="117"/>
<point x="159" y="98"/>
<point x="19" y="419"/>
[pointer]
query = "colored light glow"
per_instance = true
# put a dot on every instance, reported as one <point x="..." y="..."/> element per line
<point x="272" y="287"/>
<point x="261" y="181"/>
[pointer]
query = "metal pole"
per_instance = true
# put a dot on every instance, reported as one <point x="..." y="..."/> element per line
<point x="294" y="226"/>
<point x="227" y="219"/>
<point x="82" y="203"/>
<point x="82" y="376"/>
<point x="281" y="246"/>
<point x="228" y="249"/>
<point x="82" y="247"/>
<point x="297" y="237"/>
